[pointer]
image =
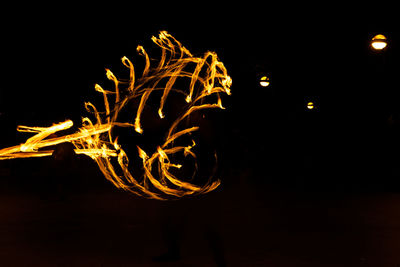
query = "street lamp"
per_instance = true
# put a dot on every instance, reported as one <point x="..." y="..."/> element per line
<point x="379" y="42"/>
<point x="264" y="81"/>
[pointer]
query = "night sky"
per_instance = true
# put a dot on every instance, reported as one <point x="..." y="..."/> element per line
<point x="52" y="57"/>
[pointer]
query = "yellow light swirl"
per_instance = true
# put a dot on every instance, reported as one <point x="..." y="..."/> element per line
<point x="207" y="76"/>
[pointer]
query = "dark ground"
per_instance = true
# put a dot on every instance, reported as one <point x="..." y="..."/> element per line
<point x="259" y="226"/>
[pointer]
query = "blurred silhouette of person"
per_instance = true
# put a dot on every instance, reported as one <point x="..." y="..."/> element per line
<point x="63" y="160"/>
<point x="177" y="216"/>
<point x="60" y="168"/>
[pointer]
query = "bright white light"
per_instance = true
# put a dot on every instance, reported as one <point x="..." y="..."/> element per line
<point x="379" y="42"/>
<point x="379" y="45"/>
<point x="264" y="81"/>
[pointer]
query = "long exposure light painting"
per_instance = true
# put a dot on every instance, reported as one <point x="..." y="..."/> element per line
<point x="205" y="78"/>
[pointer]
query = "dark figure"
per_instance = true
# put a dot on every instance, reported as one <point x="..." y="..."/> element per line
<point x="60" y="171"/>
<point x="202" y="211"/>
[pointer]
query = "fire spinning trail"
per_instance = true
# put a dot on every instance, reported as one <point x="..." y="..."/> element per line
<point x="207" y="76"/>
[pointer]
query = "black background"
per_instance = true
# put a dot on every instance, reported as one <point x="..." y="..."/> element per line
<point x="52" y="55"/>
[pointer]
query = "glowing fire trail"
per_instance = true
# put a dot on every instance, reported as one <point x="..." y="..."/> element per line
<point x="95" y="139"/>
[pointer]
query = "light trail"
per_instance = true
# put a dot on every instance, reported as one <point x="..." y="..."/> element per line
<point x="207" y="77"/>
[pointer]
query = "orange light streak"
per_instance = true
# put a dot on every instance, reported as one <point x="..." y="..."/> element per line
<point x="207" y="75"/>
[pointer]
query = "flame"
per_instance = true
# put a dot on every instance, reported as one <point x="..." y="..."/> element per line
<point x="207" y="75"/>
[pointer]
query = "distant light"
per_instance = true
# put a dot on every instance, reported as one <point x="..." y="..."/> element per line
<point x="264" y="81"/>
<point x="310" y="105"/>
<point x="379" y="42"/>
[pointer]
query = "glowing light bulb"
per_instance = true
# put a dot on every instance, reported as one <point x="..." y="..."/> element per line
<point x="264" y="81"/>
<point x="310" y="105"/>
<point x="379" y="42"/>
